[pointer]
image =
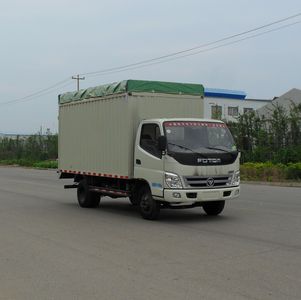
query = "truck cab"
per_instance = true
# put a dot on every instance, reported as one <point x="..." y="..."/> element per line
<point x="186" y="163"/>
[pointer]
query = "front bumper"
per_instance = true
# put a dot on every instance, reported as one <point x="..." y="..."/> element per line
<point x="190" y="196"/>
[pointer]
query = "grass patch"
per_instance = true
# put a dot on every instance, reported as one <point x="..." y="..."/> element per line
<point x="47" y="164"/>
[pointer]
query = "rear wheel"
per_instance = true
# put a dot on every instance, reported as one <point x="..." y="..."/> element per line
<point x="214" y="208"/>
<point x="149" y="208"/>
<point x="86" y="198"/>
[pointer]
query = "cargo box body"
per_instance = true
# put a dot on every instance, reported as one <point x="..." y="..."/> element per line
<point x="97" y="135"/>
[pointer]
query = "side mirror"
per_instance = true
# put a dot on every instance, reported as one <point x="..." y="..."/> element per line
<point x="162" y="143"/>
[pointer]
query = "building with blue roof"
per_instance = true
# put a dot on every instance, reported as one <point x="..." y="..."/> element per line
<point x="228" y="104"/>
<point x="226" y="94"/>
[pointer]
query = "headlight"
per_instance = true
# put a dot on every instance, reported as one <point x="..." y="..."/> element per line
<point x="235" y="178"/>
<point x="173" y="181"/>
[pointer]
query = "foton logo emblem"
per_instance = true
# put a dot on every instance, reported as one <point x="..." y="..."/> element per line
<point x="210" y="181"/>
<point x="209" y="160"/>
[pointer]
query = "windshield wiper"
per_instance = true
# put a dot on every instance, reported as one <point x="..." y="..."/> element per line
<point x="186" y="148"/>
<point x="216" y="148"/>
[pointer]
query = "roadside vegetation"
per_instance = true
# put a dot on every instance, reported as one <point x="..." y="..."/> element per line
<point x="39" y="150"/>
<point x="270" y="147"/>
<point x="270" y="171"/>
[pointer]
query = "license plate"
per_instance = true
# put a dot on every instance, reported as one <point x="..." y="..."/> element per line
<point x="212" y="195"/>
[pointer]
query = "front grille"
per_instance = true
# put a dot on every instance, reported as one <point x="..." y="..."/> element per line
<point x="206" y="181"/>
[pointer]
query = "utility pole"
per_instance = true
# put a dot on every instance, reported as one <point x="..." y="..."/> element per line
<point x="77" y="78"/>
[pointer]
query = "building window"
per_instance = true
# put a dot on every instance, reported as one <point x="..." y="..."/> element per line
<point x="216" y="112"/>
<point x="247" y="110"/>
<point x="233" y="111"/>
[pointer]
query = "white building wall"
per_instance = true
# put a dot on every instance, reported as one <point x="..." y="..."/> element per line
<point x="225" y="103"/>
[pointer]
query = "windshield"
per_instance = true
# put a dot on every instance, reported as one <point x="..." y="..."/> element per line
<point x="198" y="136"/>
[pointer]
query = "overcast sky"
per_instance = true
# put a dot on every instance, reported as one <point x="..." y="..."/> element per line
<point x="44" y="42"/>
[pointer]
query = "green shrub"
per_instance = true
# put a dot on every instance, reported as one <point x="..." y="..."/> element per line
<point x="47" y="164"/>
<point x="293" y="171"/>
<point x="270" y="172"/>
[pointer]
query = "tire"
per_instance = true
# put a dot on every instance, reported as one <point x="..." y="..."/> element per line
<point x="214" y="208"/>
<point x="134" y="198"/>
<point x="149" y="208"/>
<point x="86" y="198"/>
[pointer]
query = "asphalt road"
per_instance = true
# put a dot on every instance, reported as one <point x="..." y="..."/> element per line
<point x="52" y="249"/>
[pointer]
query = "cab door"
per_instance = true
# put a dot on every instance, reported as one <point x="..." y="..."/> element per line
<point x="148" y="162"/>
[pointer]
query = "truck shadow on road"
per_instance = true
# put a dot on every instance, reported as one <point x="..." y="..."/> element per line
<point x="123" y="208"/>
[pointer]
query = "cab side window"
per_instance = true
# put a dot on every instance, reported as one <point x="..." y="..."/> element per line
<point x="149" y="139"/>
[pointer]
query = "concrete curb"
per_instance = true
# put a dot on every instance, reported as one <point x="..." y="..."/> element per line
<point x="24" y="167"/>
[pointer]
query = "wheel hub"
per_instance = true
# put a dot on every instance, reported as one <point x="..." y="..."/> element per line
<point x="145" y="203"/>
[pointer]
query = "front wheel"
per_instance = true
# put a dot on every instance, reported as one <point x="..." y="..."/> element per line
<point x="214" y="208"/>
<point x="149" y="208"/>
<point x="134" y="197"/>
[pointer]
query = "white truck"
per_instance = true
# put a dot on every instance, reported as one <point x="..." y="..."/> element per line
<point x="146" y="140"/>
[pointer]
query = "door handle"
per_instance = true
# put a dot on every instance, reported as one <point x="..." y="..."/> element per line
<point x="138" y="162"/>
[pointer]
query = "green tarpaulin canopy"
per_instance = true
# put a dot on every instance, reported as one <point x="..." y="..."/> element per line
<point x="138" y="86"/>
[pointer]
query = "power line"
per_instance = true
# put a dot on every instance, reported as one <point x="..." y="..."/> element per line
<point x="35" y="95"/>
<point x="56" y="85"/>
<point x="163" y="59"/>
<point x="197" y="52"/>
<point x="194" y="48"/>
